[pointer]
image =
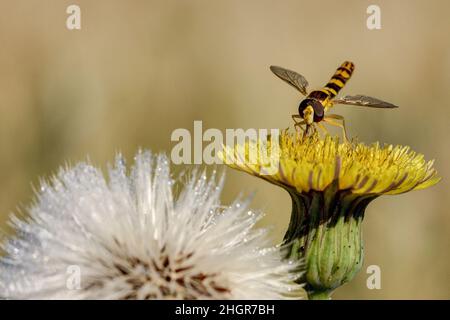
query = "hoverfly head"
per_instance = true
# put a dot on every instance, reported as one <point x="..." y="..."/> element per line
<point x="311" y="110"/>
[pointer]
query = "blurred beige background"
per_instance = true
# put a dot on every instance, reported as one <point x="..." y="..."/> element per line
<point x="137" y="70"/>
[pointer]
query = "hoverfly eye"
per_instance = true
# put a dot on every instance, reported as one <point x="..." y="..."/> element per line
<point x="318" y="111"/>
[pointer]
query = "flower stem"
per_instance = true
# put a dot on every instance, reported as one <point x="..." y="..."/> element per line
<point x="319" y="295"/>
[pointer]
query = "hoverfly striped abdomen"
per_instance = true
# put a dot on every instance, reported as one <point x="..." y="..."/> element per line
<point x="340" y="78"/>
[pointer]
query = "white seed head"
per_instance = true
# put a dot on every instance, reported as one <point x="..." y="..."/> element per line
<point x="133" y="237"/>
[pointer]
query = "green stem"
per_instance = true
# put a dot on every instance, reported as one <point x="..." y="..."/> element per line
<point x="319" y="295"/>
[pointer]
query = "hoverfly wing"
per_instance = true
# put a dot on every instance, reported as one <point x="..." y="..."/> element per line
<point x="364" y="101"/>
<point x="293" y="78"/>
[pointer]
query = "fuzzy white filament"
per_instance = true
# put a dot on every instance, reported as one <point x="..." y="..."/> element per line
<point x="130" y="237"/>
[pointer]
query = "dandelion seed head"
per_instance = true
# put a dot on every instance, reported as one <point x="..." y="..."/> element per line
<point x="131" y="237"/>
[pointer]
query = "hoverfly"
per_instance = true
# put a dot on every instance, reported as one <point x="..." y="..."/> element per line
<point x="312" y="110"/>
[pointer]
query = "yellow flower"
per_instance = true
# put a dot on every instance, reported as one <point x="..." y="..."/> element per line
<point x="331" y="184"/>
<point x="314" y="164"/>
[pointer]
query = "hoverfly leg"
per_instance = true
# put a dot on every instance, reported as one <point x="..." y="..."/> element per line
<point x="298" y="124"/>
<point x="321" y="126"/>
<point x="337" y="124"/>
<point x="308" y="127"/>
<point x="299" y="129"/>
